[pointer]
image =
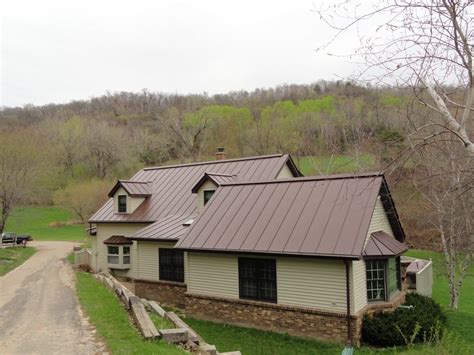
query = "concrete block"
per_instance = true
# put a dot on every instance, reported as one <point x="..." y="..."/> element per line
<point x="178" y="335"/>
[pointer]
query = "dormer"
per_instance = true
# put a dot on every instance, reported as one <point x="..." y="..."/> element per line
<point x="207" y="185"/>
<point x="129" y="195"/>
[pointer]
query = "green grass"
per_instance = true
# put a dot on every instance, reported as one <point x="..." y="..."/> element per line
<point x="335" y="164"/>
<point x="112" y="322"/>
<point x="11" y="258"/>
<point x="36" y="221"/>
<point x="160" y="322"/>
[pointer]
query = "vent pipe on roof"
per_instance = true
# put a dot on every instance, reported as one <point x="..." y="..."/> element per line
<point x="221" y="154"/>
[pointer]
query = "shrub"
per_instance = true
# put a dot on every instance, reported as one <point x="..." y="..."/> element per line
<point x="425" y="322"/>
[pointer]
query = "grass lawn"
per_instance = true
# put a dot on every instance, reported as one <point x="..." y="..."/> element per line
<point x="334" y="164"/>
<point x="112" y="322"/>
<point x="36" y="220"/>
<point x="11" y="258"/>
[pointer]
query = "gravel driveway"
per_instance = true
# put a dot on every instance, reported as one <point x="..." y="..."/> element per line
<point x="39" y="311"/>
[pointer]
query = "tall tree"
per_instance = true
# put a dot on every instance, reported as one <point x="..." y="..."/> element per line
<point x="20" y="164"/>
<point x="427" y="45"/>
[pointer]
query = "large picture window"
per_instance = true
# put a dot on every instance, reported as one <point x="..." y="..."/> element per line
<point x="122" y="203"/>
<point x="171" y="265"/>
<point x="257" y="279"/>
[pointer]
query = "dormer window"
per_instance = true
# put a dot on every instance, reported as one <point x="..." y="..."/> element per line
<point x="122" y="203"/>
<point x="207" y="195"/>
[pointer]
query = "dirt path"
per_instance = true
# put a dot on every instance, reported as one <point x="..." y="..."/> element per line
<point x="39" y="311"/>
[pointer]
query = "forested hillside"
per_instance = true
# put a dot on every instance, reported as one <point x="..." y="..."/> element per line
<point x="73" y="151"/>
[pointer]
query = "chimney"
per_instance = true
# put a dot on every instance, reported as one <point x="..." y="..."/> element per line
<point x="220" y="154"/>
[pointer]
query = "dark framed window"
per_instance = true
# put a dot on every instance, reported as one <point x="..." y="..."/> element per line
<point x="122" y="203"/>
<point x="207" y="195"/>
<point x="375" y="270"/>
<point x="171" y="265"/>
<point x="257" y="279"/>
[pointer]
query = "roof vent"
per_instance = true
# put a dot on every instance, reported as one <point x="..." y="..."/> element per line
<point x="188" y="222"/>
<point x="221" y="154"/>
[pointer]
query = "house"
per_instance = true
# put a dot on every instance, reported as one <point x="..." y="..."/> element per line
<point x="251" y="242"/>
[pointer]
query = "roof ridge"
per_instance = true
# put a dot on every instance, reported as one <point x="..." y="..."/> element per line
<point x="306" y="178"/>
<point x="219" y="174"/>
<point x="215" y="161"/>
<point x="135" y="181"/>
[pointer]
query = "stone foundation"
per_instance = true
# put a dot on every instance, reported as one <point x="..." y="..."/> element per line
<point x="164" y="292"/>
<point x="296" y="321"/>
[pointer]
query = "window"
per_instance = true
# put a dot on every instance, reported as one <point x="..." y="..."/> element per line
<point x="171" y="265"/>
<point x="207" y="195"/>
<point x="122" y="203"/>
<point x="113" y="255"/>
<point x="375" y="280"/>
<point x="383" y="278"/>
<point x="126" y="255"/>
<point x="257" y="279"/>
<point x="118" y="256"/>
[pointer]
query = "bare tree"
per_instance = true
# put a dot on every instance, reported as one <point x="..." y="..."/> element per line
<point x="19" y="167"/>
<point x="426" y="45"/>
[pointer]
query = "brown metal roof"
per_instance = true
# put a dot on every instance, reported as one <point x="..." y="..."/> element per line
<point x="381" y="244"/>
<point x="218" y="179"/>
<point x="168" y="228"/>
<point x="117" y="240"/>
<point x="324" y="216"/>
<point x="171" y="187"/>
<point x="133" y="188"/>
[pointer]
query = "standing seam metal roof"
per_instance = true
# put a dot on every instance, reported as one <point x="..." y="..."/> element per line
<point x="324" y="216"/>
<point x="171" y="186"/>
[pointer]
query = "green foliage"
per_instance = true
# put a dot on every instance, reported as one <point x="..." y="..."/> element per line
<point x="45" y="223"/>
<point x="112" y="321"/>
<point x="10" y="258"/>
<point x="425" y="322"/>
<point x="391" y="100"/>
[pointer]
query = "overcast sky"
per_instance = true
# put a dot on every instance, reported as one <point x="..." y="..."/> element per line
<point x="57" y="50"/>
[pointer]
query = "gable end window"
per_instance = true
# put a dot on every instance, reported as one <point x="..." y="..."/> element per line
<point x="171" y="265"/>
<point x="122" y="203"/>
<point x="257" y="279"/>
<point x="207" y="195"/>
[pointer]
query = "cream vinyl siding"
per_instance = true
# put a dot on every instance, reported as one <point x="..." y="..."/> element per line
<point x="132" y="202"/>
<point x="208" y="185"/>
<point x="301" y="282"/>
<point x="285" y="173"/>
<point x="99" y="249"/>
<point x="213" y="275"/>
<point x="379" y="221"/>
<point x="358" y="284"/>
<point x="312" y="283"/>
<point x="148" y="260"/>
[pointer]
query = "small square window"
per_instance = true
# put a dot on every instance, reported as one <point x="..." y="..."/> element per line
<point x="122" y="203"/>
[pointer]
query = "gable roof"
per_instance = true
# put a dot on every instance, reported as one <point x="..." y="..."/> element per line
<point x="171" y="186"/>
<point x="314" y="216"/>
<point x="133" y="188"/>
<point x="217" y="178"/>
<point x="381" y="244"/>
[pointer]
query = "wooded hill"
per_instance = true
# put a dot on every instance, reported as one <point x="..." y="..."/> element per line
<point x="76" y="149"/>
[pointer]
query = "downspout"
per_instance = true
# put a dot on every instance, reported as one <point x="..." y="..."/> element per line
<point x="348" y="306"/>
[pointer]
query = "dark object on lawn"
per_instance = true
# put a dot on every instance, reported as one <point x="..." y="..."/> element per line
<point x="386" y="329"/>
<point x="23" y="239"/>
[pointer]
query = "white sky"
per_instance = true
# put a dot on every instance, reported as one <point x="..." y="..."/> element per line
<point x="60" y="50"/>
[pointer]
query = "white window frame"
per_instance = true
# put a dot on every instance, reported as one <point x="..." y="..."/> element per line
<point x="121" y="257"/>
